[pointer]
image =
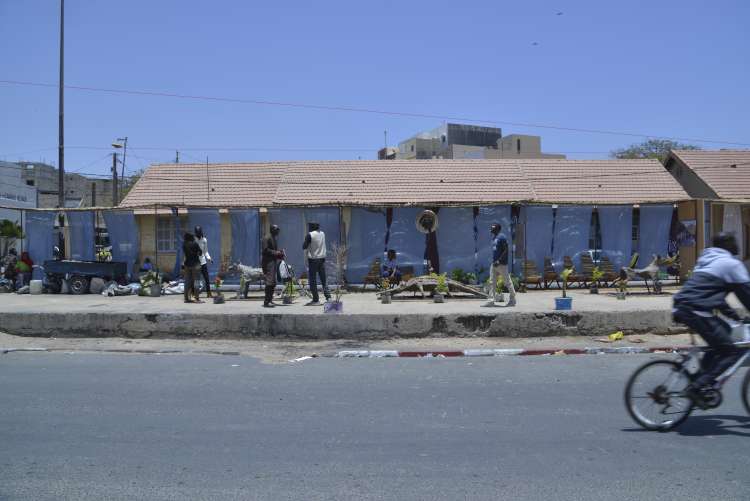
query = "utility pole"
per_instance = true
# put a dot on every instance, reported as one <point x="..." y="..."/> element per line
<point x="114" y="179"/>
<point x="176" y="157"/>
<point x="93" y="194"/>
<point x="60" y="141"/>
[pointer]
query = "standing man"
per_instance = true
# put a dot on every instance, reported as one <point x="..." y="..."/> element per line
<point x="205" y="258"/>
<point x="500" y="265"/>
<point x="192" y="266"/>
<point x="271" y="254"/>
<point x="315" y="247"/>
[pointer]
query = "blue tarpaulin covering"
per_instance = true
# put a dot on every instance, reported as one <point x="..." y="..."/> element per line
<point x="572" y="231"/>
<point x="616" y="223"/>
<point x="293" y="224"/>
<point x="406" y="240"/>
<point x="366" y="238"/>
<point x="653" y="238"/>
<point x="209" y="220"/>
<point x="81" y="235"/>
<point x="123" y="237"/>
<point x="40" y="237"/>
<point x="245" y="236"/>
<point x="538" y="220"/>
<point x="178" y="237"/>
<point x="485" y="218"/>
<point x="455" y="237"/>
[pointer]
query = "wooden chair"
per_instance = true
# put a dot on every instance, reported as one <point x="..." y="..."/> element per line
<point x="374" y="275"/>
<point x="532" y="274"/>
<point x="587" y="269"/>
<point x="550" y="275"/>
<point x="407" y="273"/>
<point x="610" y="275"/>
<point x="574" y="277"/>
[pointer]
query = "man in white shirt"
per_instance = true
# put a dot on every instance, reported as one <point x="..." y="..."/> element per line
<point x="315" y="251"/>
<point x="205" y="257"/>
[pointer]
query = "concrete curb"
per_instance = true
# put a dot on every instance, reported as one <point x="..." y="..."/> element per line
<point x="376" y="326"/>
<point x="503" y="352"/>
<point x="120" y="350"/>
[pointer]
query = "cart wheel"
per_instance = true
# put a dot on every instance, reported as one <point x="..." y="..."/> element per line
<point x="79" y="285"/>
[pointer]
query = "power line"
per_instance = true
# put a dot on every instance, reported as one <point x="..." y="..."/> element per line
<point x="352" y="109"/>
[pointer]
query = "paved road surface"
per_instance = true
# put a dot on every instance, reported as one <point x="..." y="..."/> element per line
<point x="93" y="426"/>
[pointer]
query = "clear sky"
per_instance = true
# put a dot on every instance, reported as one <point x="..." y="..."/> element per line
<point x="668" y="67"/>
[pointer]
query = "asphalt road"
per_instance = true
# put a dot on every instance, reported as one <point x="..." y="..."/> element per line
<point x="108" y="426"/>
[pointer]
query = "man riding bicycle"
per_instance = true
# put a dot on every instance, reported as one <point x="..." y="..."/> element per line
<point x="716" y="274"/>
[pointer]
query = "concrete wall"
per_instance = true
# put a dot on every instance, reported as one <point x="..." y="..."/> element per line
<point x="77" y="187"/>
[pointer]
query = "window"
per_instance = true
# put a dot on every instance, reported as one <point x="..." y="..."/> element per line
<point x="443" y="138"/>
<point x="412" y="147"/>
<point x="165" y="234"/>
<point x="30" y="182"/>
<point x="518" y="146"/>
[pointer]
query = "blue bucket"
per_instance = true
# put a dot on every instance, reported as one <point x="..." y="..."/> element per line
<point x="563" y="303"/>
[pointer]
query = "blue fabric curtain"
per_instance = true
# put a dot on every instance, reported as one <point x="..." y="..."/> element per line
<point x="455" y="237"/>
<point x="406" y="240"/>
<point x="177" y="271"/>
<point x="365" y="240"/>
<point x="293" y="224"/>
<point x="123" y="237"/>
<point x="616" y="223"/>
<point x="486" y="216"/>
<point x="209" y="220"/>
<point x="245" y="236"/>
<point x="572" y="231"/>
<point x="653" y="238"/>
<point x="81" y="234"/>
<point x="40" y="238"/>
<point x="538" y="220"/>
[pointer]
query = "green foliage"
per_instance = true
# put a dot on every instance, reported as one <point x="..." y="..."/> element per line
<point x="652" y="148"/>
<point x="9" y="233"/>
<point x="564" y="275"/>
<point x="442" y="284"/>
<point x="290" y="290"/>
<point x="596" y="274"/>
<point x="462" y="276"/>
<point x="150" y="278"/>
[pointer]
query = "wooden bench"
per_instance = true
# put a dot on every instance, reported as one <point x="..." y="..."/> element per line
<point x="550" y="275"/>
<point x="610" y="275"/>
<point x="531" y="274"/>
<point x="574" y="277"/>
<point x="374" y="275"/>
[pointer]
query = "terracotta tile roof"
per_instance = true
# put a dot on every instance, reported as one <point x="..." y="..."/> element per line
<point x="714" y="167"/>
<point x="409" y="182"/>
<point x="218" y="185"/>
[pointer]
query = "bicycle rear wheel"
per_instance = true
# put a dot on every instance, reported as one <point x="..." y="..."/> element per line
<point x="746" y="391"/>
<point x="655" y="395"/>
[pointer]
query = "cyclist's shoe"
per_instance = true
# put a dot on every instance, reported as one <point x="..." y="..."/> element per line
<point x="701" y="395"/>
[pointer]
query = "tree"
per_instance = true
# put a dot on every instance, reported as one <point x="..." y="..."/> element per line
<point x="10" y="232"/>
<point x="652" y="148"/>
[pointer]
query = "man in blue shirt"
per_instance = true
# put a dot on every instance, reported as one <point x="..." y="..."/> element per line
<point x="499" y="266"/>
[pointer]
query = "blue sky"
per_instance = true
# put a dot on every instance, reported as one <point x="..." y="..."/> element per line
<point x="672" y="68"/>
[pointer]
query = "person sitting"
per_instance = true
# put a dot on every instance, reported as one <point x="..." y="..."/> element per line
<point x="24" y="267"/>
<point x="146" y="266"/>
<point x="391" y="271"/>
<point x="10" y="263"/>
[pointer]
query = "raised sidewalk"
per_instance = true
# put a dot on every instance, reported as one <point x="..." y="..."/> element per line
<point x="364" y="317"/>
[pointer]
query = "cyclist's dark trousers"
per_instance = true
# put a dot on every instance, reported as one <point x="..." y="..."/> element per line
<point x="717" y="334"/>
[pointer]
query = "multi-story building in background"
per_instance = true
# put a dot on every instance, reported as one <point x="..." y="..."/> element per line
<point x="470" y="141"/>
<point x="80" y="191"/>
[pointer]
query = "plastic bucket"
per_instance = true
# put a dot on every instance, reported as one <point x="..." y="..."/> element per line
<point x="563" y="303"/>
<point x="35" y="287"/>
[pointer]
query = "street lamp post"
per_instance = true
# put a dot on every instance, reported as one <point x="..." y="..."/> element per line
<point x="122" y="142"/>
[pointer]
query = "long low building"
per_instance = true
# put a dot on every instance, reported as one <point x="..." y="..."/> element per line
<point x="551" y="209"/>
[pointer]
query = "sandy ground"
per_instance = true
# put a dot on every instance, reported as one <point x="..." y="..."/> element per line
<point x="283" y="351"/>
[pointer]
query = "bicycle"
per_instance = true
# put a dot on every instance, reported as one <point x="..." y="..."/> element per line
<point x="656" y="394"/>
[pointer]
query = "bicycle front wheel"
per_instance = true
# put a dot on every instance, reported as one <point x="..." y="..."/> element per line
<point x="655" y="395"/>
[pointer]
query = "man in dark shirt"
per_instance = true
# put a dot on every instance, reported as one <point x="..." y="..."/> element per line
<point x="192" y="252"/>
<point x="271" y="254"/>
